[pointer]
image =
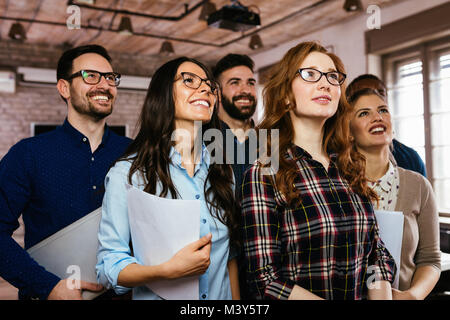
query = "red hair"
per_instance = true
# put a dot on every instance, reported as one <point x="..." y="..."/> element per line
<point x="336" y="137"/>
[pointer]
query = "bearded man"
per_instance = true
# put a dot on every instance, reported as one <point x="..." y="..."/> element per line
<point x="235" y="75"/>
<point x="237" y="83"/>
<point x="56" y="178"/>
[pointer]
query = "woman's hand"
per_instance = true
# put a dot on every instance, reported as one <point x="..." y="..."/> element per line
<point x="191" y="260"/>
<point x="380" y="290"/>
<point x="402" y="295"/>
<point x="423" y="282"/>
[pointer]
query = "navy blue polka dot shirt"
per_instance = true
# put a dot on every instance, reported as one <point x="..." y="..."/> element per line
<point x="52" y="179"/>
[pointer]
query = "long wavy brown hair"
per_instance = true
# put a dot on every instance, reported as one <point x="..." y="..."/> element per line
<point x="150" y="150"/>
<point x="336" y="137"/>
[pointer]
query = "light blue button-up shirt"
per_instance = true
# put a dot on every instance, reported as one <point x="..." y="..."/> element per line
<point x="114" y="251"/>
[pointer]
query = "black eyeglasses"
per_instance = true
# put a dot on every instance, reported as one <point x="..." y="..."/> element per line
<point x="334" y="78"/>
<point x="94" y="77"/>
<point x="193" y="81"/>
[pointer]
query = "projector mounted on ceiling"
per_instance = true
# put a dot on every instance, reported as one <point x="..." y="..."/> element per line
<point x="235" y="17"/>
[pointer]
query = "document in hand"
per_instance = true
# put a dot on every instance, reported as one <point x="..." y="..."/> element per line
<point x="72" y="252"/>
<point x="159" y="228"/>
<point x="390" y="224"/>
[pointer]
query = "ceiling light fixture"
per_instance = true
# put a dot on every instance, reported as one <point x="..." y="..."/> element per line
<point x="166" y="48"/>
<point x="125" y="26"/>
<point x="207" y="8"/>
<point x="235" y="17"/>
<point x="17" y="32"/>
<point x="255" y="42"/>
<point x="352" y="5"/>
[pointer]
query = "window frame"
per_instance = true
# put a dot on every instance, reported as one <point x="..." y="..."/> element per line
<point x="427" y="52"/>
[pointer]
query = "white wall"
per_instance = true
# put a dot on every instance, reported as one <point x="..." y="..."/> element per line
<point x="347" y="38"/>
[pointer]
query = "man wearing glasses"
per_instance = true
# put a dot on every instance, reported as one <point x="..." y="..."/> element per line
<point x="56" y="178"/>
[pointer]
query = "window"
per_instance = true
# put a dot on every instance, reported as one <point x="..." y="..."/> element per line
<point x="440" y="125"/>
<point x="418" y="81"/>
<point x="406" y="97"/>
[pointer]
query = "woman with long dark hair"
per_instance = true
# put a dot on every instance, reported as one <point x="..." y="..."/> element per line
<point x="164" y="163"/>
<point x="309" y="229"/>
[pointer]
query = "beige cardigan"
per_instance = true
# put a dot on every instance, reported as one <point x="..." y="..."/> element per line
<point x="420" y="245"/>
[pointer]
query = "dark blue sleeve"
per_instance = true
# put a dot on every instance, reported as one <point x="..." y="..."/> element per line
<point x="421" y="166"/>
<point x="408" y="158"/>
<point x="16" y="266"/>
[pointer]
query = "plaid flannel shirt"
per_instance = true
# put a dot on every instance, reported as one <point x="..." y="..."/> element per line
<point x="324" y="245"/>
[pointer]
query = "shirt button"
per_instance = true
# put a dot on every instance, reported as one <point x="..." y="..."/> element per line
<point x="203" y="296"/>
<point x="84" y="139"/>
<point x="204" y="220"/>
<point x="94" y="187"/>
<point x="197" y="196"/>
<point x="92" y="159"/>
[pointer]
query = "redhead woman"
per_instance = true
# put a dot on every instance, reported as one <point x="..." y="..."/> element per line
<point x="181" y="92"/>
<point x="398" y="189"/>
<point x="309" y="228"/>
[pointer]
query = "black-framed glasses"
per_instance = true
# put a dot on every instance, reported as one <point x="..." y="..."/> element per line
<point x="193" y="81"/>
<point x="94" y="77"/>
<point x="334" y="78"/>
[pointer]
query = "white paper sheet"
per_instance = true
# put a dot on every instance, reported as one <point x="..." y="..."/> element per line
<point x="390" y="224"/>
<point x="72" y="252"/>
<point x="159" y="228"/>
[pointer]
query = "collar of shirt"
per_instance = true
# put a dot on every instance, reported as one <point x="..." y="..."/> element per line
<point x="202" y="159"/>
<point x="295" y="152"/>
<point x="387" y="181"/>
<point x="78" y="137"/>
<point x="225" y="126"/>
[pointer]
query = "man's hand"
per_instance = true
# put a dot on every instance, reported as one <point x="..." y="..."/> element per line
<point x="65" y="290"/>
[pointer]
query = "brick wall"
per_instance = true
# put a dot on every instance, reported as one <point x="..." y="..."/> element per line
<point x="43" y="105"/>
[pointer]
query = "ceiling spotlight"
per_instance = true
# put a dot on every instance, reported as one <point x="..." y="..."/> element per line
<point x="17" y="32"/>
<point x="207" y="9"/>
<point x="352" y="5"/>
<point x="125" y="26"/>
<point x="255" y="42"/>
<point x="166" y="48"/>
